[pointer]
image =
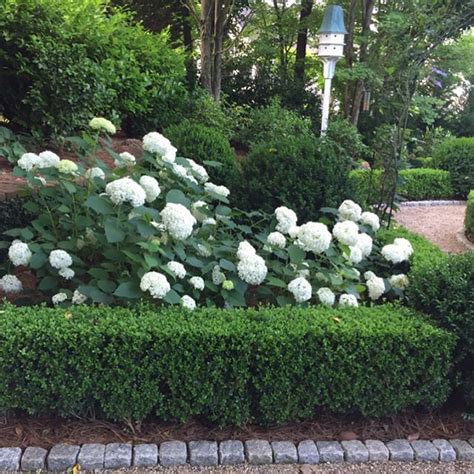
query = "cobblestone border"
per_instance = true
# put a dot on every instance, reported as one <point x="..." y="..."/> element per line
<point x="431" y="203"/>
<point x="62" y="457"/>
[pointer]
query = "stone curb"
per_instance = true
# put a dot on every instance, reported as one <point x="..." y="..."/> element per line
<point x="431" y="203"/>
<point x="62" y="457"/>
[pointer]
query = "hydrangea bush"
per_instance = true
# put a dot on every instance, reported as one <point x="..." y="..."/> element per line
<point x="157" y="228"/>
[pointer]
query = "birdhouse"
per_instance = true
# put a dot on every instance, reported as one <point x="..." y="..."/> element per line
<point x="331" y="34"/>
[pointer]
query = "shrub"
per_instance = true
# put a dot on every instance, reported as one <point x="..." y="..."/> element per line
<point x="301" y="172"/>
<point x="445" y="290"/>
<point x="414" y="185"/>
<point x="142" y="230"/>
<point x="101" y="62"/>
<point x="11" y="147"/>
<point x="232" y="367"/>
<point x="457" y="157"/>
<point x="265" y="124"/>
<point x="203" y="144"/>
<point x="469" y="217"/>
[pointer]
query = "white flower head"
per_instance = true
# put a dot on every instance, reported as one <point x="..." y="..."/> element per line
<point x="60" y="259"/>
<point x="95" y="172"/>
<point x="314" y="237"/>
<point x="245" y="250"/>
<point x="301" y="289"/>
<point x="199" y="171"/>
<point x="371" y="219"/>
<point x="326" y="296"/>
<point x="293" y="231"/>
<point x="286" y="219"/>
<point x="197" y="283"/>
<point x="78" y="297"/>
<point x="67" y="273"/>
<point x="355" y="256"/>
<point x="125" y="190"/>
<point x="368" y="275"/>
<point x="48" y="159"/>
<point x="19" y="253"/>
<point x="10" y="284"/>
<point x="180" y="171"/>
<point x="178" y="221"/>
<point x="151" y="187"/>
<point x="203" y="251"/>
<point x="346" y="232"/>
<point x="364" y="243"/>
<point x="209" y="221"/>
<point x="103" y="125"/>
<point x="156" y="284"/>
<point x="277" y="239"/>
<point x="59" y="298"/>
<point x="346" y="300"/>
<point x="188" y="303"/>
<point x="405" y="244"/>
<point x="154" y="142"/>
<point x="67" y="167"/>
<point x="399" y="281"/>
<point x="349" y="211"/>
<point x="376" y="287"/>
<point x="217" y="276"/>
<point x="124" y="160"/>
<point x="28" y="161"/>
<point x="252" y="269"/>
<point x="219" y="190"/>
<point x="177" y="269"/>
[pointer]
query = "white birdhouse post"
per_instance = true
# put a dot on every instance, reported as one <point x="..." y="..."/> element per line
<point x="330" y="50"/>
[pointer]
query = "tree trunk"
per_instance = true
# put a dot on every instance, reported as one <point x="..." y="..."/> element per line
<point x="188" y="47"/>
<point x="220" y="16"/>
<point x="206" y="27"/>
<point x="350" y="58"/>
<point x="307" y="6"/>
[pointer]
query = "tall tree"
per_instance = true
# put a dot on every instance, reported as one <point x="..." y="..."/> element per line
<point x="302" y="39"/>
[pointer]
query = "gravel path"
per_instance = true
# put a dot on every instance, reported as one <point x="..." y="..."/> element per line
<point x="385" y="468"/>
<point x="440" y="224"/>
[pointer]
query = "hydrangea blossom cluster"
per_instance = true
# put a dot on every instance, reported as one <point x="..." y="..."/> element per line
<point x="125" y="159"/>
<point x="46" y="159"/>
<point x="399" y="281"/>
<point x="188" y="303"/>
<point x="301" y="289"/>
<point x="10" y="284"/>
<point x="313" y="237"/>
<point x="346" y="232"/>
<point x="399" y="251"/>
<point x="59" y="298"/>
<point x="286" y="219"/>
<point x="67" y="167"/>
<point x="219" y="190"/>
<point x="277" y="239"/>
<point x="197" y="283"/>
<point x="19" y="253"/>
<point x="101" y="124"/>
<point x="61" y="260"/>
<point x="326" y="296"/>
<point x="251" y="267"/>
<point x="156" y="143"/>
<point x="125" y="190"/>
<point x="151" y="187"/>
<point x="177" y="269"/>
<point x="347" y="300"/>
<point x="349" y="211"/>
<point x="375" y="285"/>
<point x="178" y="221"/>
<point x="95" y="172"/>
<point x="156" y="284"/>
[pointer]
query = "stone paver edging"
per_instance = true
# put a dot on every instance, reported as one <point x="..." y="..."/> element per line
<point x="62" y="457"/>
<point x="458" y="202"/>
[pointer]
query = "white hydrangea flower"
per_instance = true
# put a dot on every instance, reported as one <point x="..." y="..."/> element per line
<point x="203" y="251"/>
<point x="399" y="281"/>
<point x="28" y="161"/>
<point x="355" y="256"/>
<point x="67" y="273"/>
<point x="376" y="287"/>
<point x="199" y="171"/>
<point x="346" y="300"/>
<point x="10" y="284"/>
<point x="364" y="243"/>
<point x="286" y="219"/>
<point x="209" y="221"/>
<point x="95" y="172"/>
<point x="59" y="298"/>
<point x="67" y="167"/>
<point x="126" y="190"/>
<point x="102" y="124"/>
<point x="156" y="284"/>
<point x="151" y="187"/>
<point x="180" y="171"/>
<point x="124" y="160"/>
<point x="195" y="209"/>
<point x="177" y="269"/>
<point x="314" y="237"/>
<point x="252" y="269"/>
<point x="301" y="289"/>
<point x="219" y="190"/>
<point x="197" y="283"/>
<point x="48" y="159"/>
<point x="371" y="219"/>
<point x="178" y="221"/>
<point x="60" y="259"/>
<point x="293" y="231"/>
<point x="19" y="253"/>
<point x="405" y="244"/>
<point x="346" y="232"/>
<point x="397" y="252"/>
<point x="326" y="296"/>
<point x="277" y="239"/>
<point x="170" y="154"/>
<point x="368" y="275"/>
<point x="245" y="250"/>
<point x="217" y="276"/>
<point x="154" y="142"/>
<point x="188" y="303"/>
<point x="349" y="211"/>
<point x="78" y="297"/>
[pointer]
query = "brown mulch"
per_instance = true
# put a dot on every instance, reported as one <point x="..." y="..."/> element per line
<point x="45" y="432"/>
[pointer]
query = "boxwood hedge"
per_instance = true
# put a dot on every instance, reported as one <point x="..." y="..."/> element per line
<point x="232" y="367"/>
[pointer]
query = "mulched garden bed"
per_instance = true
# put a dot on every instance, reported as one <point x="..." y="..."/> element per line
<point x="45" y="432"/>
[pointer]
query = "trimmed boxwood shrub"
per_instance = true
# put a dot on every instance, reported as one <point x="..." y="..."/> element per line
<point x="444" y="288"/>
<point x="202" y="143"/>
<point x="457" y="157"/>
<point x="229" y="366"/>
<point x="469" y="217"/>
<point x="415" y="184"/>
